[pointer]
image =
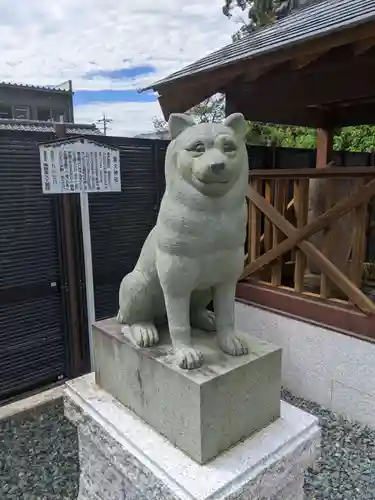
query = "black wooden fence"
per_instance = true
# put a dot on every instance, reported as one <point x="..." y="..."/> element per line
<point x="33" y="332"/>
<point x="120" y="222"/>
<point x="43" y="335"/>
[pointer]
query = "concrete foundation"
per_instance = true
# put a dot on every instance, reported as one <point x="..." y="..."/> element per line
<point x="319" y="364"/>
<point x="123" y="457"/>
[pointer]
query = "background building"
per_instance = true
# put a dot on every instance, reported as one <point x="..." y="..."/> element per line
<point x="158" y="134"/>
<point x="31" y="108"/>
<point x="27" y="102"/>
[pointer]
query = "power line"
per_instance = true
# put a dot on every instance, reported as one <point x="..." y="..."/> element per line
<point x="105" y="121"/>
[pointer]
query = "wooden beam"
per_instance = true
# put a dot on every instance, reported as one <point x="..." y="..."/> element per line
<point x="325" y="284"/>
<point x="302" y="61"/>
<point x="254" y="73"/>
<point x="363" y="46"/>
<point x="181" y="97"/>
<point x="301" y="198"/>
<point x="342" y="317"/>
<point x="341" y="208"/>
<point x="322" y="87"/>
<point x="168" y="102"/>
<point x="356" y="114"/>
<point x="360" y="220"/>
<point x="269" y="191"/>
<point x="328" y="42"/>
<point x="304" y="97"/>
<point x="311" y="173"/>
<point x="336" y="276"/>
<point x="254" y="225"/>
<point x="268" y="114"/>
<point x="360" y="113"/>
<point x="277" y="235"/>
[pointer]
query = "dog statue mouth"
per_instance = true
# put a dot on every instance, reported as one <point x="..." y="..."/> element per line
<point x="209" y="182"/>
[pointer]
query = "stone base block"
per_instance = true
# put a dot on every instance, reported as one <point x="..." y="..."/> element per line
<point x="203" y="412"/>
<point x="121" y="457"/>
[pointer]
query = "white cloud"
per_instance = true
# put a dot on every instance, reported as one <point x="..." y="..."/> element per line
<point x="45" y="42"/>
<point x="129" y="118"/>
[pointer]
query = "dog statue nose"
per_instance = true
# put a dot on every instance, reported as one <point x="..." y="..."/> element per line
<point x="217" y="167"/>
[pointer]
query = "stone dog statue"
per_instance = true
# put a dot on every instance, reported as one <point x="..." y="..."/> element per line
<point x="195" y="252"/>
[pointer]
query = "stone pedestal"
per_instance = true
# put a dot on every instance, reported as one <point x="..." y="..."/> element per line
<point x="203" y="412"/>
<point x="121" y="457"/>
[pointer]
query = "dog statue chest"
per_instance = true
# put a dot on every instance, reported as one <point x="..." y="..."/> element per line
<point x="219" y="267"/>
<point x="197" y="233"/>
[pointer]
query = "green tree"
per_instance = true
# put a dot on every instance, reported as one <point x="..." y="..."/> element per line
<point x="259" y="12"/>
<point x="357" y="139"/>
<point x="159" y="124"/>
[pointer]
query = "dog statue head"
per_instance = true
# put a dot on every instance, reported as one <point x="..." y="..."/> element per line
<point x="211" y="157"/>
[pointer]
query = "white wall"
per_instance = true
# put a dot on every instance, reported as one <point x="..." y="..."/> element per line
<point x="329" y="368"/>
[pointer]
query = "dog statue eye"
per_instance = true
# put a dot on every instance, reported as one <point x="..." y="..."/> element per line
<point x="198" y="147"/>
<point x="229" y="147"/>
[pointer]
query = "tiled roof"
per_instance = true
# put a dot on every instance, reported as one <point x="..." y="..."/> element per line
<point x="35" y="126"/>
<point x="34" y="87"/>
<point x="313" y="21"/>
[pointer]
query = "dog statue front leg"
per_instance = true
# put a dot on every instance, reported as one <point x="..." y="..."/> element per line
<point x="178" y="312"/>
<point x="224" y="302"/>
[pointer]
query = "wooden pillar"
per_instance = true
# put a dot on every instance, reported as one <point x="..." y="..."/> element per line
<point x="317" y="199"/>
<point x="324" y="147"/>
<point x="230" y="106"/>
<point x="335" y="241"/>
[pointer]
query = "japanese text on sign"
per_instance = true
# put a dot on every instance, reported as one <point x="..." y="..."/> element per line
<point x="79" y="166"/>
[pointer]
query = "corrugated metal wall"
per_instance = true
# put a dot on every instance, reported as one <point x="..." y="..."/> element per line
<point x="120" y="222"/>
<point x="32" y="331"/>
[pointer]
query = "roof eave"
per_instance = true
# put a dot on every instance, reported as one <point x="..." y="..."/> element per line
<point x="350" y="24"/>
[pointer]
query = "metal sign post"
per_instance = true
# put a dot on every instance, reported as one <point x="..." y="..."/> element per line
<point x="79" y="165"/>
<point x="89" y="278"/>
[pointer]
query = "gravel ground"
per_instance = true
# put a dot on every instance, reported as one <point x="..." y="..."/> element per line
<point x="346" y="470"/>
<point x="39" y="458"/>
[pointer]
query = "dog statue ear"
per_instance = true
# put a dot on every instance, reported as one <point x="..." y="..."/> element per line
<point x="178" y="122"/>
<point x="237" y="123"/>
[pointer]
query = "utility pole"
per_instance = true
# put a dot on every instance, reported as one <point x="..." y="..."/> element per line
<point x="104" y="121"/>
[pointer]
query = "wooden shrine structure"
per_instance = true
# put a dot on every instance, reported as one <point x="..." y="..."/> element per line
<point x="314" y="68"/>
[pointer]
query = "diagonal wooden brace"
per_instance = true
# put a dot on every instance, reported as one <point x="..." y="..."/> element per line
<point x="295" y="237"/>
<point x="344" y="206"/>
